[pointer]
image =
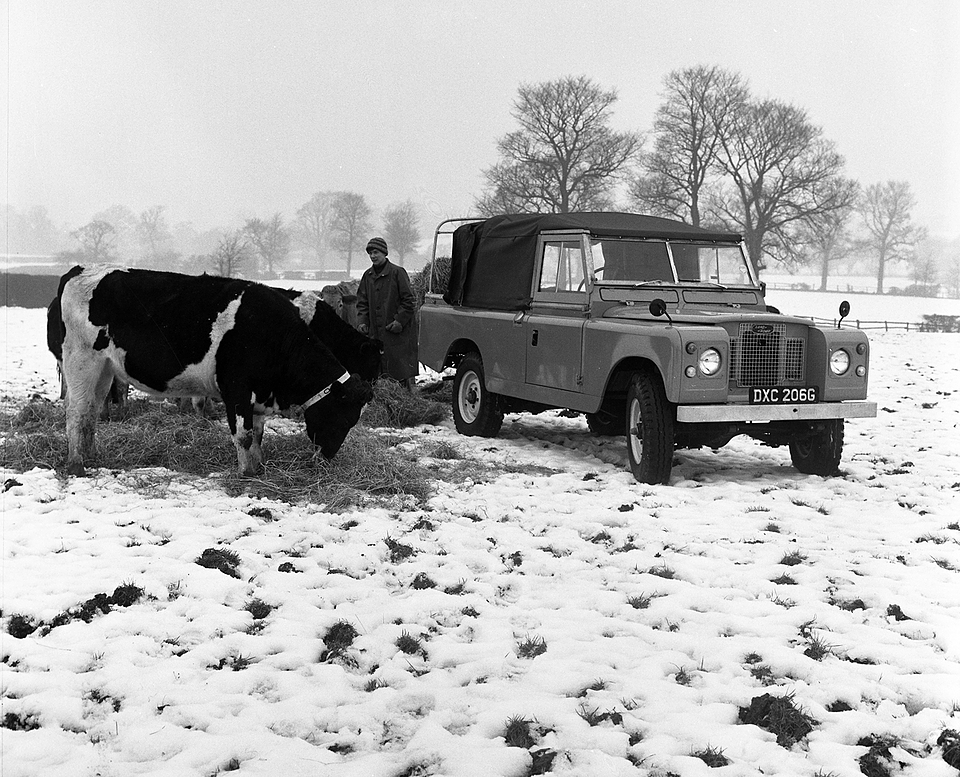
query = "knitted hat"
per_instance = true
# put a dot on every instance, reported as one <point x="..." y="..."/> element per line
<point x="379" y="243"/>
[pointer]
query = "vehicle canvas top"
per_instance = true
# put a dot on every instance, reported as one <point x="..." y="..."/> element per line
<point x="493" y="260"/>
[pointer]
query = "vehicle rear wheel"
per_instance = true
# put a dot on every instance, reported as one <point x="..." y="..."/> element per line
<point x="650" y="429"/>
<point x="820" y="453"/>
<point x="476" y="411"/>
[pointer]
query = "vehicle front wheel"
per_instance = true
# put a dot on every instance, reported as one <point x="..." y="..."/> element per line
<point x="819" y="453"/>
<point x="476" y="411"/>
<point x="650" y="429"/>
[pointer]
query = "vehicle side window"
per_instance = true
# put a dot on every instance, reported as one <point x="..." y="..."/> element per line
<point x="550" y="266"/>
<point x="562" y="267"/>
<point x="570" y="274"/>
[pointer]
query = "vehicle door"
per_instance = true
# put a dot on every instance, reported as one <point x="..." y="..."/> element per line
<point x="555" y="322"/>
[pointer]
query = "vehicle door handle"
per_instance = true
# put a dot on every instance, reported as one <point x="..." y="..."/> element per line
<point x="536" y="337"/>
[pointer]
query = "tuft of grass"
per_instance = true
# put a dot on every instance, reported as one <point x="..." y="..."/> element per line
<point x="517" y="733"/>
<point x="839" y="706"/>
<point x="784" y="580"/>
<point x="779" y="716"/>
<point x="594" y="717"/>
<point x="422" y="581"/>
<point x="409" y="644"/>
<point x="531" y="646"/>
<point x="662" y="570"/>
<point x="222" y="560"/>
<point x="21" y="626"/>
<point x="711" y="756"/>
<point x="793" y="558"/>
<point x="398" y="550"/>
<point x="772" y="527"/>
<point x="878" y="761"/>
<point x="949" y="743"/>
<point x="258" y="608"/>
<point x="818" y="650"/>
<point x="641" y="601"/>
<point x="19" y="721"/>
<point x="936" y="539"/>
<point x="338" y="638"/>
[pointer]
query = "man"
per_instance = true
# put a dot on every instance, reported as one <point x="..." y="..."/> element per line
<point x="386" y="310"/>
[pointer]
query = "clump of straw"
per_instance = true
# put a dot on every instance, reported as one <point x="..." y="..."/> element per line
<point x="393" y="406"/>
<point x="157" y="434"/>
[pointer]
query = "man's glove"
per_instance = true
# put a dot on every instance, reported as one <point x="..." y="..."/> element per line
<point x="394" y="327"/>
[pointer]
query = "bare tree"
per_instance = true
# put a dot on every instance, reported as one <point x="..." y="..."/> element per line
<point x="350" y="226"/>
<point x="886" y="211"/>
<point x="31" y="232"/>
<point x="232" y="252"/>
<point x="153" y="232"/>
<point x="950" y="268"/>
<point x="826" y="235"/>
<point x="698" y="103"/>
<point x="780" y="172"/>
<point x="311" y="228"/>
<point x="97" y="241"/>
<point x="270" y="240"/>
<point x="401" y="229"/>
<point x="124" y="222"/>
<point x="564" y="157"/>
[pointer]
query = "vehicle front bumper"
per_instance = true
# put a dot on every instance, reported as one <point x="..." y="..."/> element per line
<point x="760" y="413"/>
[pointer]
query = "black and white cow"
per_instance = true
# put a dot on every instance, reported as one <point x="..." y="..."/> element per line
<point x="355" y="351"/>
<point x="183" y="335"/>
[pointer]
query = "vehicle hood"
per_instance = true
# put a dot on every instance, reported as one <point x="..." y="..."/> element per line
<point x="702" y="317"/>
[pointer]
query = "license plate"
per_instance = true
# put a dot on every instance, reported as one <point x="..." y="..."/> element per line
<point x="784" y="395"/>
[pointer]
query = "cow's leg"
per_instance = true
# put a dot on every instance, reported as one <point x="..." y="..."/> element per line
<point x="259" y="419"/>
<point x="63" y="381"/>
<point x="88" y="381"/>
<point x="249" y="456"/>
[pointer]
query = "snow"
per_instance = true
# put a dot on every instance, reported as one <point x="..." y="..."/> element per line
<point x="656" y="605"/>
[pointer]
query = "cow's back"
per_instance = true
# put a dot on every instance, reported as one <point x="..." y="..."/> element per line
<point x="159" y="330"/>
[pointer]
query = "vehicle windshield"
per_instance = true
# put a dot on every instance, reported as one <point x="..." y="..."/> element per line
<point x="617" y="260"/>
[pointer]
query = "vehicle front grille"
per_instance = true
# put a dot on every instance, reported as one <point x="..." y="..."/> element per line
<point x="763" y="355"/>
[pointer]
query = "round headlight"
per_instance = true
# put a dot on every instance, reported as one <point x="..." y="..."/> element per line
<point x="709" y="361"/>
<point x="839" y="362"/>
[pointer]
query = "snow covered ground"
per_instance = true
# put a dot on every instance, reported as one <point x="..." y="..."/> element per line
<point x="663" y="610"/>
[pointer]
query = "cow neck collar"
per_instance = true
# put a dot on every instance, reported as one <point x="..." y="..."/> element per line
<point x="323" y="392"/>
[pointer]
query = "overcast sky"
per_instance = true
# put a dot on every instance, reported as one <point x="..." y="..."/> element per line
<point x="224" y="110"/>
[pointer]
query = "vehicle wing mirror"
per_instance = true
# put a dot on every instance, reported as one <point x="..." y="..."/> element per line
<point x="659" y="308"/>
<point x="844" y="311"/>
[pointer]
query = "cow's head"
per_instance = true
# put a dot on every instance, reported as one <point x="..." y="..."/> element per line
<point x="368" y="361"/>
<point x="331" y="419"/>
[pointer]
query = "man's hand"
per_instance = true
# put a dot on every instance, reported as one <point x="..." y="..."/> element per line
<point x="363" y="329"/>
<point x="394" y="327"/>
